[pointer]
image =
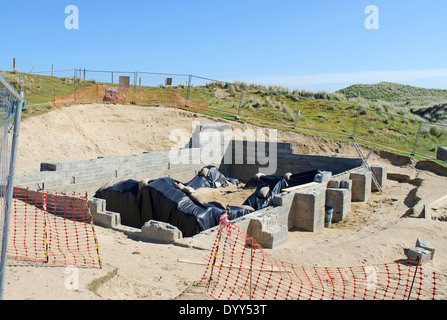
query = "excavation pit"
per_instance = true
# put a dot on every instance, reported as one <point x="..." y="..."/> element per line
<point x="330" y="181"/>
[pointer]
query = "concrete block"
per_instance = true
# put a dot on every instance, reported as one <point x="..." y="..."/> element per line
<point x="417" y="252"/>
<point x="333" y="184"/>
<point x="97" y="205"/>
<point x="274" y="237"/>
<point x="380" y="171"/>
<point x="441" y="154"/>
<point x="267" y="230"/>
<point x="307" y="209"/>
<point x="340" y="200"/>
<point x="160" y="232"/>
<point x="424" y="244"/>
<point x="323" y="177"/>
<point x="108" y="219"/>
<point x="361" y="186"/>
<point x="346" y="184"/>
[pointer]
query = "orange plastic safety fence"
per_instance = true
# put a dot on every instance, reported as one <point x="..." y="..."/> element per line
<point x="238" y="268"/>
<point x="97" y="93"/>
<point x="52" y="227"/>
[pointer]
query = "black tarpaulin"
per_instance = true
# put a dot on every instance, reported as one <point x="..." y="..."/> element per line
<point x="122" y="197"/>
<point x="298" y="179"/>
<point x="295" y="179"/>
<point x="161" y="200"/>
<point x="213" y="179"/>
<point x="275" y="185"/>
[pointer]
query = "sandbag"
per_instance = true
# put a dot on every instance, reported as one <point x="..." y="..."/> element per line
<point x="213" y="178"/>
<point x="263" y="195"/>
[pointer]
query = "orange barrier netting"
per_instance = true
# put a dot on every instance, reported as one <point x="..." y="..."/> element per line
<point x="97" y="93"/>
<point x="52" y="227"/>
<point x="238" y="268"/>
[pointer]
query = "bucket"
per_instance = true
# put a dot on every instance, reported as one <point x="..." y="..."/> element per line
<point x="328" y="216"/>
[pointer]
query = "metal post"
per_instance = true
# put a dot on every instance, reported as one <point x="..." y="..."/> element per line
<point x="188" y="92"/>
<point x="52" y="70"/>
<point x="135" y="76"/>
<point x="112" y="77"/>
<point x="239" y="111"/>
<point x="21" y="82"/>
<point x="9" y="194"/>
<point x="356" y="123"/>
<point x="75" y="85"/>
<point x="417" y="139"/>
<point x="251" y="270"/>
<point x="414" y="277"/>
<point x="84" y="74"/>
<point x="298" y="114"/>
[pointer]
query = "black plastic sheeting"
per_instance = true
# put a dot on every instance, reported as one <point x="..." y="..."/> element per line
<point x="276" y="184"/>
<point x="122" y="197"/>
<point x="214" y="176"/>
<point x="162" y="200"/>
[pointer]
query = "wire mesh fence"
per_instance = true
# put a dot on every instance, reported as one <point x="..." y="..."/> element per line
<point x="258" y="104"/>
<point x="11" y="104"/>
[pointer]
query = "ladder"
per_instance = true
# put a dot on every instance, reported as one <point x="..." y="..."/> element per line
<point x="365" y="163"/>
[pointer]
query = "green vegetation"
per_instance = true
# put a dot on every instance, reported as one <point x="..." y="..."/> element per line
<point x="384" y="114"/>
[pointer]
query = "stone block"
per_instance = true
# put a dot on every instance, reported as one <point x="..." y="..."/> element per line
<point x="419" y="253"/>
<point x="160" y="232"/>
<point x="380" y="171"/>
<point x="340" y="200"/>
<point x="361" y="186"/>
<point x="346" y="184"/>
<point x="274" y="237"/>
<point x="333" y="184"/>
<point x="307" y="209"/>
<point x="424" y="244"/>
<point x="97" y="205"/>
<point x="441" y="154"/>
<point x="323" y="177"/>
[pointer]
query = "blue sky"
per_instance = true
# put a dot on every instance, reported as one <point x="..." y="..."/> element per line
<point x="314" y="45"/>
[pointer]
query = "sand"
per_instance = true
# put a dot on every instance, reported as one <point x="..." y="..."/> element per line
<point x="374" y="232"/>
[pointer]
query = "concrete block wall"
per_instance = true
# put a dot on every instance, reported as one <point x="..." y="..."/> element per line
<point x="340" y="200"/>
<point x="380" y="172"/>
<point x="307" y="209"/>
<point x="361" y="186"/>
<point x="277" y="158"/>
<point x="89" y="175"/>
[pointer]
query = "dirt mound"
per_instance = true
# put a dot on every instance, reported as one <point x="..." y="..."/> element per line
<point x="82" y="132"/>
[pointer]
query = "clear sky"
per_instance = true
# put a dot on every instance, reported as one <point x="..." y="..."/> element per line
<point x="314" y="45"/>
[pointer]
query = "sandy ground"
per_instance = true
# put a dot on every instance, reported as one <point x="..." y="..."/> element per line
<point x="374" y="232"/>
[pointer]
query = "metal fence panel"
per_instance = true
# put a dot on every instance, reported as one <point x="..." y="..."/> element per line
<point x="10" y="106"/>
